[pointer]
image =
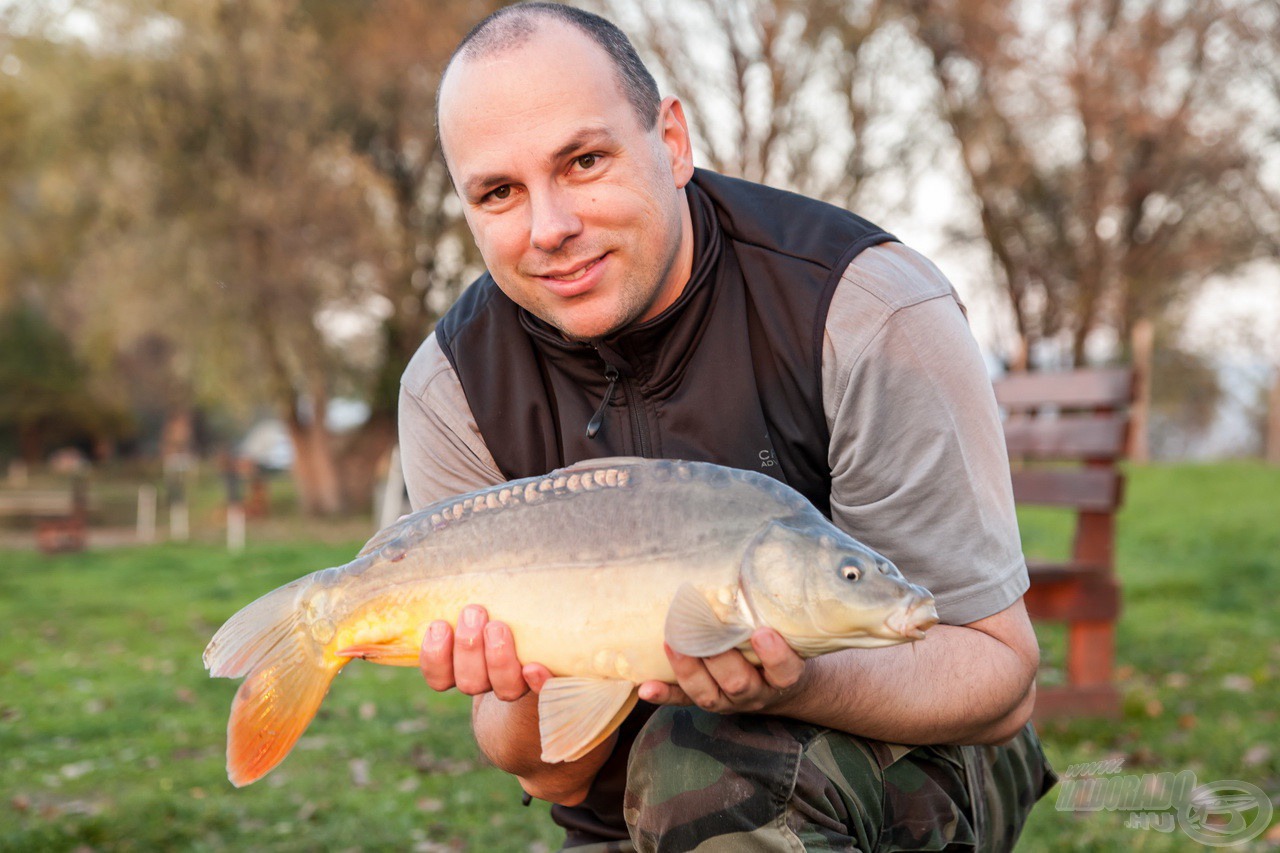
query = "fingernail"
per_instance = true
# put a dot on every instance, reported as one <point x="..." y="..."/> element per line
<point x="767" y="642"/>
<point x="471" y="617"/>
<point x="439" y="630"/>
<point x="493" y="635"/>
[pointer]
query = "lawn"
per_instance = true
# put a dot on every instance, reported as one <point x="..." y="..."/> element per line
<point x="111" y="733"/>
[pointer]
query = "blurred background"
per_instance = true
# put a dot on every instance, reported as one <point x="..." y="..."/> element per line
<point x="225" y="227"/>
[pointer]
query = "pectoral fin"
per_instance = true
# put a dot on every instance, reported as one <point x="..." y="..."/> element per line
<point x="576" y="714"/>
<point x="694" y="629"/>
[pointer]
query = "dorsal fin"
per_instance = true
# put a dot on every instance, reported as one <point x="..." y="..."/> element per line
<point x="383" y="536"/>
<point x="603" y="462"/>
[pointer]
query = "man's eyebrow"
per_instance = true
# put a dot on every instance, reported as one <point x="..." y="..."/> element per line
<point x="480" y="184"/>
<point x="582" y="139"/>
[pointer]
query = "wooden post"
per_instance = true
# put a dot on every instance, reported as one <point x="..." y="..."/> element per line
<point x="1272" y="449"/>
<point x="235" y="527"/>
<point x="1143" y="343"/>
<point x="235" y="505"/>
<point x="147" y="513"/>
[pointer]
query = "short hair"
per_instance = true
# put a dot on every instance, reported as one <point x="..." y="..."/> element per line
<point x="512" y="26"/>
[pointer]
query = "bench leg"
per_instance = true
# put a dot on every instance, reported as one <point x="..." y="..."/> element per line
<point x="1090" y="653"/>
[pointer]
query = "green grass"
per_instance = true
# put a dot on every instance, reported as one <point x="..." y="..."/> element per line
<point x="111" y="733"/>
<point x="1198" y="645"/>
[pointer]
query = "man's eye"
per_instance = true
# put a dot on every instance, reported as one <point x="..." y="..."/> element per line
<point x="501" y="193"/>
<point x="586" y="161"/>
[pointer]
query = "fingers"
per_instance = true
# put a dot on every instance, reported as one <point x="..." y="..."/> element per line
<point x="478" y="657"/>
<point x="535" y="675"/>
<point x="436" y="656"/>
<point x="661" y="693"/>
<point x="780" y="665"/>
<point x="470" y="672"/>
<point x="728" y="682"/>
<point x="506" y="677"/>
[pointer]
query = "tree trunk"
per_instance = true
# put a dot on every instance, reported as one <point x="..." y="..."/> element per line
<point x="315" y="470"/>
<point x="363" y="458"/>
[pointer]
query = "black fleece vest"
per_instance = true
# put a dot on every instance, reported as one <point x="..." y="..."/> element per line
<point x="730" y="373"/>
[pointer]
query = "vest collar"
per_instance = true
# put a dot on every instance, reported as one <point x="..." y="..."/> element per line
<point x="652" y="352"/>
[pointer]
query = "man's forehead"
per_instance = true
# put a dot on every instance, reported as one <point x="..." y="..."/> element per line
<point x="554" y="60"/>
<point x="541" y="93"/>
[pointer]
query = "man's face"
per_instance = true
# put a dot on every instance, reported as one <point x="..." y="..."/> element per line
<point x="578" y="209"/>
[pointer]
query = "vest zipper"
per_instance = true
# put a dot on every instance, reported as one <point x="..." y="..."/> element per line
<point x="639" y="428"/>
<point x="597" y="420"/>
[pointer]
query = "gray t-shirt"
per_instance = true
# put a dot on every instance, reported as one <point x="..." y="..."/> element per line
<point x="918" y="463"/>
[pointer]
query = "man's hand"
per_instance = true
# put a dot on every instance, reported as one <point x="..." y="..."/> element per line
<point x="728" y="683"/>
<point x="480" y="657"/>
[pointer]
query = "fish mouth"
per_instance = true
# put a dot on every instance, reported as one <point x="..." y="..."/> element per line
<point x="911" y="623"/>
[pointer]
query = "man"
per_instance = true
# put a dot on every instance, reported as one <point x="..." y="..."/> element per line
<point x="633" y="305"/>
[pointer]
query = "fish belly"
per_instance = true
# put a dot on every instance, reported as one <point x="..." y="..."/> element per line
<point x="576" y="620"/>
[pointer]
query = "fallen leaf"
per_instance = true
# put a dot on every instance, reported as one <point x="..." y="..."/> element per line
<point x="1238" y="683"/>
<point x="185" y="695"/>
<point x="1257" y="754"/>
<point x="430" y="805"/>
<point x="76" y="769"/>
<point x="21" y="803"/>
<point x="1187" y="722"/>
<point x="359" y="772"/>
<point x="410" y="726"/>
<point x="368" y="710"/>
<point x="1177" y="680"/>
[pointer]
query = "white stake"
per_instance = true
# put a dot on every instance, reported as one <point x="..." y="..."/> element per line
<point x="235" y="528"/>
<point x="147" y="514"/>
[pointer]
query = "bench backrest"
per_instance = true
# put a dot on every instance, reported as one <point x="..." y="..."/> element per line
<point x="1065" y="433"/>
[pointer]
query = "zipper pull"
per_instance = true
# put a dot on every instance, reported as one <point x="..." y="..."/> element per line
<point x="597" y="420"/>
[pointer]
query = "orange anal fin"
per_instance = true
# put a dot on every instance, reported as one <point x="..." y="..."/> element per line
<point x="271" y="710"/>
<point x="386" y="654"/>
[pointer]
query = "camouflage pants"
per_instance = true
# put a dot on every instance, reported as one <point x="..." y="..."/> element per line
<point x="713" y="783"/>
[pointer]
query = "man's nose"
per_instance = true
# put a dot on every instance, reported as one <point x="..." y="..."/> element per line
<point x="553" y="220"/>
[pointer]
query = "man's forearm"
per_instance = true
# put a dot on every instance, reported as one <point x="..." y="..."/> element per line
<point x="508" y="735"/>
<point x="959" y="685"/>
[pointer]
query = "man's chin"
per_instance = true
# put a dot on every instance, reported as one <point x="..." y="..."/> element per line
<point x="587" y="332"/>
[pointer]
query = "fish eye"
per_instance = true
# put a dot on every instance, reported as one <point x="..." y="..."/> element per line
<point x="850" y="572"/>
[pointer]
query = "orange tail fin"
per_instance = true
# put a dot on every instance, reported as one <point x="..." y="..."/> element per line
<point x="288" y="676"/>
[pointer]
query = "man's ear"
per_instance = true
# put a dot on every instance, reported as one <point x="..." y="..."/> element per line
<point x="675" y="137"/>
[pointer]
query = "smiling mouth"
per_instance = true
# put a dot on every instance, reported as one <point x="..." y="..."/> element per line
<point x="576" y="274"/>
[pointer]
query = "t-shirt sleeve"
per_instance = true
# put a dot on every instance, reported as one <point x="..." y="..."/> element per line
<point x="441" y="450"/>
<point x="918" y="460"/>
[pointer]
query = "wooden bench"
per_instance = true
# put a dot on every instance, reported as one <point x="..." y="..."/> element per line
<point x="61" y="517"/>
<point x="1066" y="433"/>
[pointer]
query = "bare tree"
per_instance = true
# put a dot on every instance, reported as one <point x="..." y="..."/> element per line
<point x="1109" y="148"/>
<point x="271" y="200"/>
<point x="794" y="93"/>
